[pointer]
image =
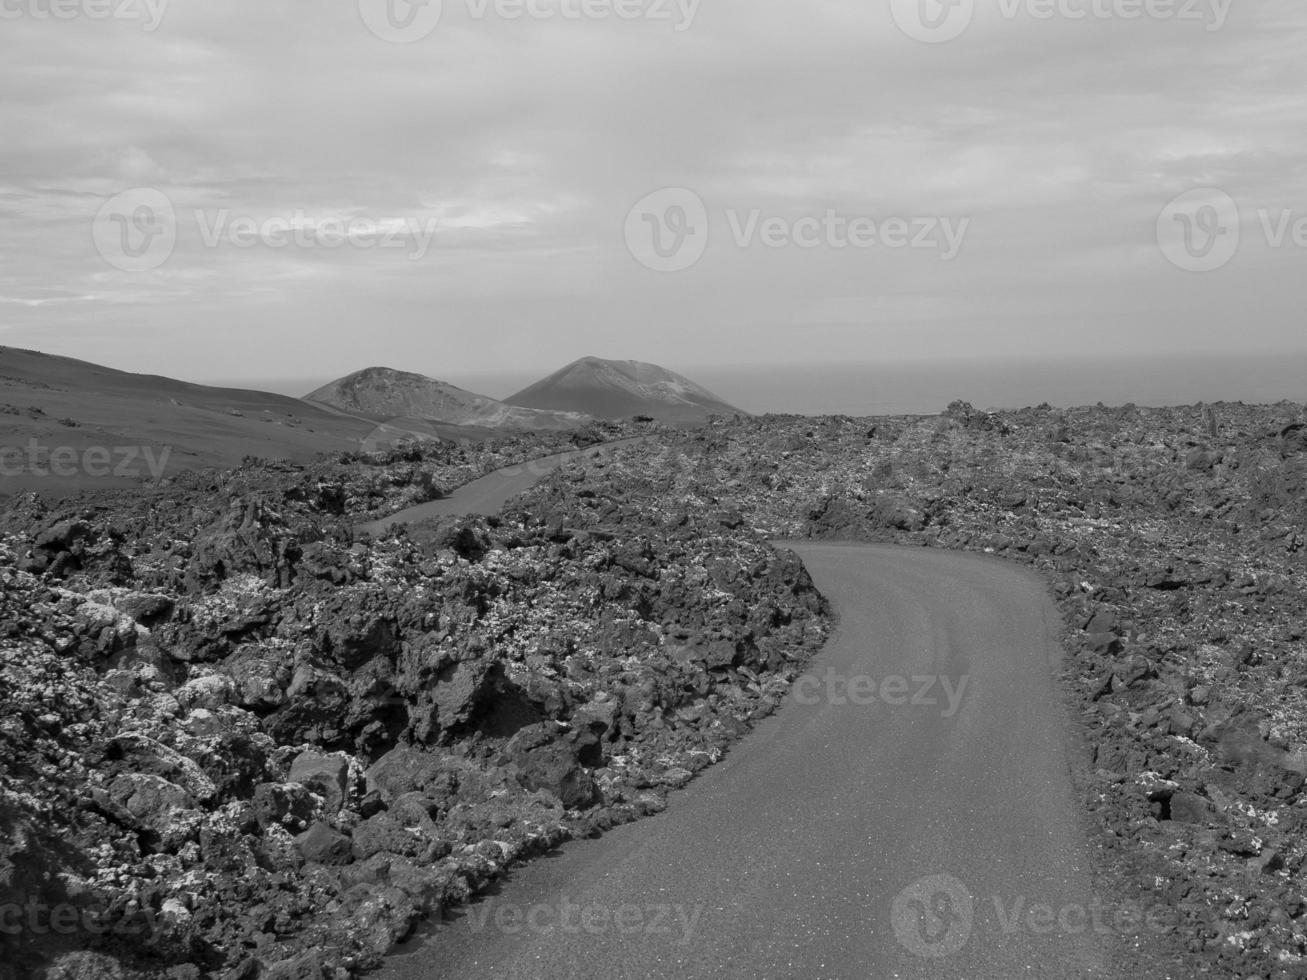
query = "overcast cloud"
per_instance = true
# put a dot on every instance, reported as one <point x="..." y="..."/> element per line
<point x="486" y="173"/>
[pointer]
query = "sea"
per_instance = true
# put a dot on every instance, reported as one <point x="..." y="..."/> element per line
<point x="926" y="388"/>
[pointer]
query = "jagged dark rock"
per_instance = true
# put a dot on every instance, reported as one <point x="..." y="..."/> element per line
<point x="214" y="682"/>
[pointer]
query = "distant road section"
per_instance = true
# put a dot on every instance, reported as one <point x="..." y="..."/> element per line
<point x="488" y="494"/>
<point x="908" y="815"/>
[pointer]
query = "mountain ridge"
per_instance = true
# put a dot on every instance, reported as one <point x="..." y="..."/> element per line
<point x="612" y="389"/>
<point x="384" y="392"/>
<point x="54" y="403"/>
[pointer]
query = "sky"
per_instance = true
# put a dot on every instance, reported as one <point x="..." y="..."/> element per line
<point x="289" y="188"/>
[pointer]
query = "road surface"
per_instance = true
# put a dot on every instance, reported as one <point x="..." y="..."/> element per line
<point x="488" y="494"/>
<point x="861" y="832"/>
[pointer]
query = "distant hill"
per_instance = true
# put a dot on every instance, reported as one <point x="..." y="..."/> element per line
<point x="384" y="393"/>
<point x="147" y="425"/>
<point x="620" y="389"/>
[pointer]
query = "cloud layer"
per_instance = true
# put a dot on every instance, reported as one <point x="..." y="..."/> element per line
<point x="499" y="155"/>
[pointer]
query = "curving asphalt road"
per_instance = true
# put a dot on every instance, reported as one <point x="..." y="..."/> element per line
<point x="490" y="493"/>
<point x="871" y="829"/>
